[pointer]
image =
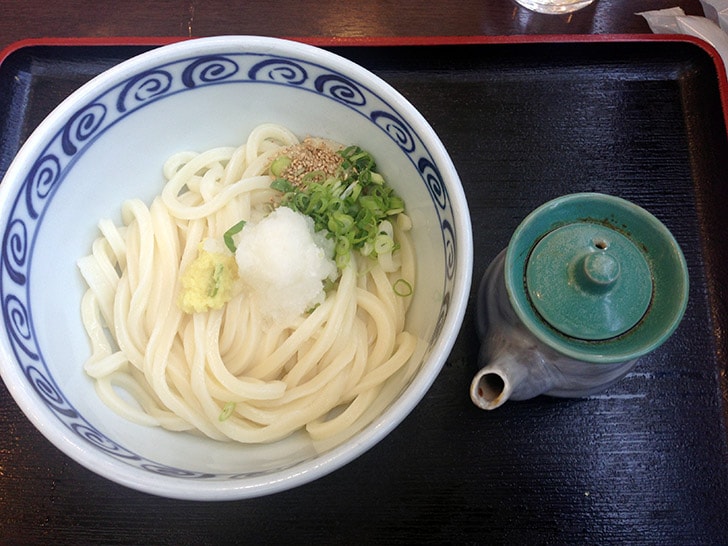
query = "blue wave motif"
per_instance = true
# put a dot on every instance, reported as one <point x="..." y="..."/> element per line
<point x="340" y="88"/>
<point x="99" y="441"/>
<point x="173" y="472"/>
<point x="279" y="70"/>
<point x="18" y="325"/>
<point x="43" y="175"/>
<point x="442" y="315"/>
<point x="433" y="180"/>
<point x="209" y="69"/>
<point x="143" y="88"/>
<point x="448" y="236"/>
<point x="15" y="251"/>
<point x="396" y="129"/>
<point x="82" y="126"/>
<point x="48" y="391"/>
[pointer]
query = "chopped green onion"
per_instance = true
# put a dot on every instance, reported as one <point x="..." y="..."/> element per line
<point x="342" y="260"/>
<point x="227" y="411"/>
<point x="383" y="244"/>
<point x="343" y="245"/>
<point x="213" y="289"/>
<point x="228" y="235"/>
<point x="377" y="178"/>
<point x="279" y="165"/>
<point x="313" y="176"/>
<point x="402" y="288"/>
<point x="340" y="223"/>
<point x="349" y="206"/>
<point x="350" y="189"/>
<point x="282" y="185"/>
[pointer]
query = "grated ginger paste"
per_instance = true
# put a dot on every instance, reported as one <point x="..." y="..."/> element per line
<point x="280" y="262"/>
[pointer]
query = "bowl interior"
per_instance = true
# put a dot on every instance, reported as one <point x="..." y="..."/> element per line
<point x="107" y="144"/>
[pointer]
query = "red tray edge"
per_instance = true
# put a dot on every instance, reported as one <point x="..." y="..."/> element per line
<point x="372" y="41"/>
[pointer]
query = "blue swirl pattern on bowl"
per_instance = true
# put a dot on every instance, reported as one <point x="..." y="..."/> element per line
<point x="90" y="121"/>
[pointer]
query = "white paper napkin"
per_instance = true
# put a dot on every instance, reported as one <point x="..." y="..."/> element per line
<point x="716" y="11"/>
<point x="674" y="21"/>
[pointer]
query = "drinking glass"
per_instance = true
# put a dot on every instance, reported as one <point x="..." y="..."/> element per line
<point x="554" y="6"/>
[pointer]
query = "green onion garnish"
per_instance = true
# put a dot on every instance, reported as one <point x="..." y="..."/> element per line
<point x="349" y="206"/>
<point x="402" y="288"/>
<point x="227" y="411"/>
<point x="282" y="185"/>
<point x="228" y="235"/>
<point x="214" y="287"/>
<point x="279" y="165"/>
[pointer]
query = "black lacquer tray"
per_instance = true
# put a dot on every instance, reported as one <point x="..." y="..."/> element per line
<point x="525" y="120"/>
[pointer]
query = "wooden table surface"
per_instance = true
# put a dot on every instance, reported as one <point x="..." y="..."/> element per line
<point x="47" y="498"/>
<point x="36" y="18"/>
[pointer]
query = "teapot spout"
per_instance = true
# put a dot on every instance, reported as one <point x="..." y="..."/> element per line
<point x="512" y="361"/>
<point x="493" y="385"/>
<point x="490" y="389"/>
<point x="513" y="376"/>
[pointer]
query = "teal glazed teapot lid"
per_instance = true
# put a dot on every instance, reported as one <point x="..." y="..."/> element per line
<point x="596" y="277"/>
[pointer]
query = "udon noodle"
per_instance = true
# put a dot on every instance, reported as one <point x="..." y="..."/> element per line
<point x="231" y="373"/>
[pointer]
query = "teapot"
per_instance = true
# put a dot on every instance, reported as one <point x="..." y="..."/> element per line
<point x="587" y="285"/>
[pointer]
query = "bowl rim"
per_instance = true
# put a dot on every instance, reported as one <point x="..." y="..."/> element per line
<point x="110" y="467"/>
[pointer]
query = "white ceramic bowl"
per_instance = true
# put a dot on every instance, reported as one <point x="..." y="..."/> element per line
<point x="106" y="143"/>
